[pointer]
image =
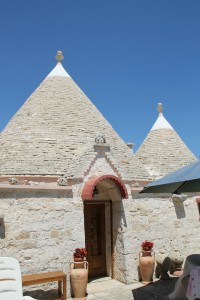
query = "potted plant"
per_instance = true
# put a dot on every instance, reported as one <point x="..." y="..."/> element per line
<point x="147" y="261"/>
<point x="147" y="245"/>
<point x="80" y="254"/>
<point x="79" y="273"/>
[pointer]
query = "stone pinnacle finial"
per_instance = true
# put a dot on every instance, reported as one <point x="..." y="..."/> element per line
<point x="160" y="108"/>
<point x="59" y="57"/>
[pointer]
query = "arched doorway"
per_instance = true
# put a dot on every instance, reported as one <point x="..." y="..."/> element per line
<point x="98" y="195"/>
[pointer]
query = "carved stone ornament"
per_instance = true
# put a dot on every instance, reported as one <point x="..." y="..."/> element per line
<point x="13" y="180"/>
<point x="62" y="181"/>
<point x="100" y="138"/>
<point x="33" y="182"/>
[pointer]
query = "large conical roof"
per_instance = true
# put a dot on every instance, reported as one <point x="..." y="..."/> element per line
<point x="55" y="128"/>
<point x="163" y="151"/>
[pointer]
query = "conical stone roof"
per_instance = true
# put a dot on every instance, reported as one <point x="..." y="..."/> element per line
<point x="163" y="151"/>
<point x="55" y="128"/>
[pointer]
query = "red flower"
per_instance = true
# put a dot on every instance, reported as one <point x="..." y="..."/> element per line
<point x="147" y="245"/>
<point x="80" y="252"/>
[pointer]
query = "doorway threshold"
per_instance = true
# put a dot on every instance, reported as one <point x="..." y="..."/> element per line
<point x="98" y="279"/>
<point x="105" y="288"/>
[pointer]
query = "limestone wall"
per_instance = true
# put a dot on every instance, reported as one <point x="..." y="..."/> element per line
<point x="170" y="224"/>
<point x="43" y="229"/>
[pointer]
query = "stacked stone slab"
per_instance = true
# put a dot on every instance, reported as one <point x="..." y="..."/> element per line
<point x="163" y="151"/>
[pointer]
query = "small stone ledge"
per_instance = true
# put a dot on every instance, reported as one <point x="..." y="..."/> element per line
<point x="6" y="186"/>
<point x="137" y="185"/>
<point x="136" y="190"/>
<point x="19" y="179"/>
<point x="151" y="196"/>
<point x="101" y="148"/>
<point x="74" y="180"/>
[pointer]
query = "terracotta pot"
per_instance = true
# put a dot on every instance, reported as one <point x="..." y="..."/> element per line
<point x="77" y="259"/>
<point x="146" y="265"/>
<point x="79" y="279"/>
<point x="78" y="262"/>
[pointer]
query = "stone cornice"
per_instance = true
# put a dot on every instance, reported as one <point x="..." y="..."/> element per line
<point x="5" y="186"/>
<point x="32" y="183"/>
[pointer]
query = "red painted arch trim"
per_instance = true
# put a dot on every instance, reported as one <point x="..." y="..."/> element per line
<point x="87" y="193"/>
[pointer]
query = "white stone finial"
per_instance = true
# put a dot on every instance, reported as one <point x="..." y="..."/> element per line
<point x="160" y="107"/>
<point x="59" y="56"/>
<point x="161" y="122"/>
<point x="58" y="69"/>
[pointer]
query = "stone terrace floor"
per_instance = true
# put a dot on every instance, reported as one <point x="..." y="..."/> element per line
<point x="110" y="289"/>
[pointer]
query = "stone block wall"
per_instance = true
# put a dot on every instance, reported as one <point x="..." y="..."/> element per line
<point x="42" y="229"/>
<point x="170" y="223"/>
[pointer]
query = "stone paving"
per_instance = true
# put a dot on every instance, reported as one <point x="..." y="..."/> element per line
<point x="107" y="288"/>
<point x="110" y="289"/>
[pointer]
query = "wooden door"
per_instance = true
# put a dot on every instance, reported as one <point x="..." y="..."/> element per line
<point x="95" y="238"/>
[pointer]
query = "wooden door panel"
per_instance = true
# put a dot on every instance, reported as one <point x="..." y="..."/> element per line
<point x="95" y="238"/>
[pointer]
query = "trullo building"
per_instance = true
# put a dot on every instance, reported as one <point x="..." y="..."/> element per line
<point x="163" y="151"/>
<point x="68" y="180"/>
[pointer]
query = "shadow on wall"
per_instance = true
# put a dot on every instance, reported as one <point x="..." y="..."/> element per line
<point x="119" y="226"/>
<point x="2" y="227"/>
<point x="158" y="290"/>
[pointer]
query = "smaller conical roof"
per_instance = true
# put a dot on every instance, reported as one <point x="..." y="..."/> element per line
<point x="163" y="151"/>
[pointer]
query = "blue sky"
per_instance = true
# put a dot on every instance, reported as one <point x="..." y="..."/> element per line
<point x="126" y="55"/>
